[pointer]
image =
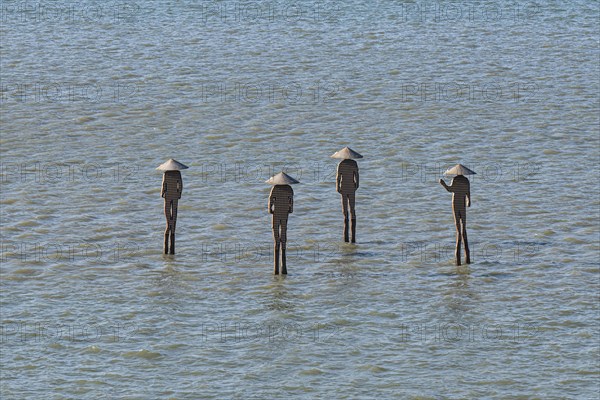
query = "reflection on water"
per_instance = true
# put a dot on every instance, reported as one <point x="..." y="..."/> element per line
<point x="459" y="294"/>
<point x="281" y="296"/>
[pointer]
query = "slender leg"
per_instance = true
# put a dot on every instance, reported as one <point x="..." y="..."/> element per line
<point x="466" y="242"/>
<point x="172" y="241"/>
<point x="457" y="223"/>
<point x="168" y="229"/>
<point x="167" y="210"/>
<point x="346" y="239"/>
<point x="345" y="211"/>
<point x="173" y="223"/>
<point x="283" y="243"/>
<point x="351" y="200"/>
<point x="276" y="241"/>
<point x="166" y="247"/>
<point x="174" y="204"/>
<point x="283" y="261"/>
<point x="457" y="251"/>
<point x="276" y="258"/>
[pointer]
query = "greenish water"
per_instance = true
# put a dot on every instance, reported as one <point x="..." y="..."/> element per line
<point x="95" y="96"/>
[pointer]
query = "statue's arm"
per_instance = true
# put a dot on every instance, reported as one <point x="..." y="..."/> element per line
<point x="443" y="183"/>
<point x="468" y="194"/>
<point x="270" y="205"/>
<point x="338" y="180"/>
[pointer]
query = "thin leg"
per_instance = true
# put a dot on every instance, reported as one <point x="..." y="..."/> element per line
<point x="168" y="228"/>
<point x="457" y="251"/>
<point x="346" y="239"/>
<point x="351" y="200"/>
<point x="166" y="247"/>
<point x="466" y="243"/>
<point x="172" y="241"/>
<point x="167" y="210"/>
<point x="276" y="241"/>
<point x="173" y="223"/>
<point x="174" y="204"/>
<point x="276" y="260"/>
<point x="283" y="242"/>
<point x="345" y="211"/>
<point x="457" y="224"/>
<point x="283" y="261"/>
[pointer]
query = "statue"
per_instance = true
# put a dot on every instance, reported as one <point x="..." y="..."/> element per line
<point x="461" y="199"/>
<point x="281" y="204"/>
<point x="347" y="181"/>
<point x="172" y="186"/>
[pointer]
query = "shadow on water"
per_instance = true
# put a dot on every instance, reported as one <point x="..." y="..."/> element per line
<point x="346" y="256"/>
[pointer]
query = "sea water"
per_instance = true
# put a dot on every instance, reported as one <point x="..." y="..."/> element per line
<point x="95" y="95"/>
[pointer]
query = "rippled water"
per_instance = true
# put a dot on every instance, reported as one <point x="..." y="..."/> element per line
<point x="95" y="96"/>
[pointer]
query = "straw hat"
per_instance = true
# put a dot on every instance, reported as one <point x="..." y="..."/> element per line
<point x="171" y="165"/>
<point x="459" y="169"/>
<point x="281" y="179"/>
<point x="346" y="153"/>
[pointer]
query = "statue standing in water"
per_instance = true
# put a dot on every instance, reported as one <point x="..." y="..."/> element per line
<point x="281" y="204"/>
<point x="172" y="186"/>
<point x="461" y="199"/>
<point x="347" y="181"/>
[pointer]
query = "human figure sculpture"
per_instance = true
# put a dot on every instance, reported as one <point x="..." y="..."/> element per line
<point x="281" y="205"/>
<point x="461" y="199"/>
<point x="346" y="184"/>
<point x="172" y="187"/>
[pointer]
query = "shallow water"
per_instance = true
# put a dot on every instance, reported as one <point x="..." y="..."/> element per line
<point x="94" y="97"/>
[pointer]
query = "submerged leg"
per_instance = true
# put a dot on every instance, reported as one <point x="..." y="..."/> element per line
<point x="173" y="224"/>
<point x="457" y="251"/>
<point x="283" y="243"/>
<point x="168" y="228"/>
<point x="283" y="261"/>
<point x="466" y="242"/>
<point x="276" y="241"/>
<point x="166" y="246"/>
<point x="346" y="223"/>
<point x="276" y="258"/>
<point x="351" y="200"/>
<point x="345" y="211"/>
<point x="457" y="224"/>
<point x="172" y="251"/>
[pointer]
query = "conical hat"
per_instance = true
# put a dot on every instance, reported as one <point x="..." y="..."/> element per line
<point x="459" y="169"/>
<point x="346" y="153"/>
<point x="281" y="179"/>
<point x="172" y="165"/>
